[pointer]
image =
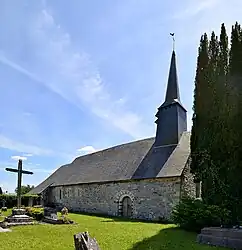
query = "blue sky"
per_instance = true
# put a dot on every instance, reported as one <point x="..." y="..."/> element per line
<point x="79" y="76"/>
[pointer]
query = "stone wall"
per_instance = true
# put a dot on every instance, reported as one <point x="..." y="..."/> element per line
<point x="151" y="199"/>
<point x="188" y="187"/>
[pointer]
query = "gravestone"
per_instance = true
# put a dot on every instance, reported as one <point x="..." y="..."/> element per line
<point x="54" y="216"/>
<point x="222" y="237"/>
<point x="50" y="216"/>
<point x="83" y="241"/>
<point x="48" y="211"/>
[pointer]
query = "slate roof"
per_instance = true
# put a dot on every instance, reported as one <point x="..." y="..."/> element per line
<point x="134" y="160"/>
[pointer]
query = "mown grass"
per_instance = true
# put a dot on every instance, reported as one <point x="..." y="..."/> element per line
<point x="111" y="234"/>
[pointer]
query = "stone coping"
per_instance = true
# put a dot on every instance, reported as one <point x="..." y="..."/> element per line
<point x="223" y="237"/>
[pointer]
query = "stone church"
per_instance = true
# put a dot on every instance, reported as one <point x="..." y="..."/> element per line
<point x="142" y="179"/>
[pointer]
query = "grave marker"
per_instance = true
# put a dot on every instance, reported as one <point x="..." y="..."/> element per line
<point x="20" y="171"/>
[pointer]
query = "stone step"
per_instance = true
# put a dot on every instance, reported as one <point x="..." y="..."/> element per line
<point x="11" y="224"/>
<point x="219" y="241"/>
<point x="223" y="232"/>
<point x="19" y="219"/>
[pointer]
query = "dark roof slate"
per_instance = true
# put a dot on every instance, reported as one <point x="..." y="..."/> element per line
<point x="134" y="160"/>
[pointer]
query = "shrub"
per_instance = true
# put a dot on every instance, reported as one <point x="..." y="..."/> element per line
<point x="192" y="214"/>
<point x="36" y="213"/>
<point x="11" y="200"/>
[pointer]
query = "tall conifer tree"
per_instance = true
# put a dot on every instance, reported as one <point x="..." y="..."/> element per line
<point x="198" y="111"/>
<point x="235" y="112"/>
<point x="216" y="138"/>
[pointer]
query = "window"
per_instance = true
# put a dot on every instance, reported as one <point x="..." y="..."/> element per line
<point x="60" y="194"/>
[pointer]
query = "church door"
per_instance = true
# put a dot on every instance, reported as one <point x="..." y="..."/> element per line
<point x="126" y="207"/>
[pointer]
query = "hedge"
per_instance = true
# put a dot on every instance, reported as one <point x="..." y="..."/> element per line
<point x="10" y="200"/>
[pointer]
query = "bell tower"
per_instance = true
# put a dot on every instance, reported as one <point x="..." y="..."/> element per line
<point x="171" y="116"/>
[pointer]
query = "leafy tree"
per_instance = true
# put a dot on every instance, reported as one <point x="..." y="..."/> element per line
<point x="1" y="191"/>
<point x="24" y="189"/>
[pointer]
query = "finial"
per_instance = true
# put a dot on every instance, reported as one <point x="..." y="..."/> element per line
<point x="173" y="38"/>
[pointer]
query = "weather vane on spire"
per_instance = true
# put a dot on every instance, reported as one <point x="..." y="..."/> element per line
<point x="173" y="38"/>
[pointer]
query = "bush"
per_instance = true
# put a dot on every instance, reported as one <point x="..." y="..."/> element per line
<point x="193" y="215"/>
<point x="11" y="200"/>
<point x="36" y="213"/>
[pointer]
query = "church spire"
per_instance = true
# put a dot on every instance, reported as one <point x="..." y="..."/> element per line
<point x="172" y="91"/>
<point x="171" y="116"/>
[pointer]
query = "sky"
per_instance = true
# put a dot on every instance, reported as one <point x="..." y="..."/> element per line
<point x="80" y="76"/>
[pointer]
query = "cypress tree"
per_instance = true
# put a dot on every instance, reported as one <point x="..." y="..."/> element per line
<point x="216" y="152"/>
<point x="210" y="169"/>
<point x="234" y="114"/>
<point x="221" y="147"/>
<point x="198" y="109"/>
<point x="206" y="147"/>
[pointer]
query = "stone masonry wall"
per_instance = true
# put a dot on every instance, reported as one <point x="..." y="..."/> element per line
<point x="188" y="187"/>
<point x="151" y="199"/>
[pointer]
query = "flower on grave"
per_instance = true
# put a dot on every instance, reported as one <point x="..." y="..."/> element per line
<point x="64" y="211"/>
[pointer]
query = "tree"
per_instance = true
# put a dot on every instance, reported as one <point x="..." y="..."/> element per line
<point x="235" y="112"/>
<point x="216" y="132"/>
<point x="211" y="123"/>
<point x="24" y="189"/>
<point x="1" y="191"/>
<point x="198" y="107"/>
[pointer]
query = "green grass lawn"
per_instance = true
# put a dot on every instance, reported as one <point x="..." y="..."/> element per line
<point x="111" y="234"/>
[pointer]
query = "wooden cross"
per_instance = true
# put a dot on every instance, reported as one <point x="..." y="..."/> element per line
<point x="20" y="171"/>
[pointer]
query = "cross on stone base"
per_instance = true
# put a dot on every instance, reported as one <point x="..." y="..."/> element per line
<point x="20" y="171"/>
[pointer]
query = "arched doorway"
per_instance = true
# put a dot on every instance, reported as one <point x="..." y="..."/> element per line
<point x="126" y="207"/>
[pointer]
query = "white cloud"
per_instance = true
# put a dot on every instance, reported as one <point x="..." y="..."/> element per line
<point x="20" y="147"/>
<point x="26" y="113"/>
<point x="87" y="150"/>
<point x="13" y="65"/>
<point x="17" y="157"/>
<point x="10" y="144"/>
<point x="194" y="7"/>
<point x="28" y="155"/>
<point x="77" y="80"/>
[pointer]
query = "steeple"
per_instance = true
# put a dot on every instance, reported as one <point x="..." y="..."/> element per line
<point x="172" y="91"/>
<point x="171" y="116"/>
